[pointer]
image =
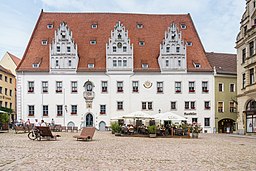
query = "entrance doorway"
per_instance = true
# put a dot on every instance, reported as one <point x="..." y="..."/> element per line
<point x="102" y="126"/>
<point x="226" y="126"/>
<point x="89" y="120"/>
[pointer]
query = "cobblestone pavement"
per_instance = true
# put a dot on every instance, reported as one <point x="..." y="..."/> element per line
<point x="108" y="152"/>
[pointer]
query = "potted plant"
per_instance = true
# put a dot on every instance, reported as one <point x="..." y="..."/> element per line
<point x="4" y="119"/>
<point x="116" y="128"/>
<point x="195" y="129"/>
<point x="152" y="131"/>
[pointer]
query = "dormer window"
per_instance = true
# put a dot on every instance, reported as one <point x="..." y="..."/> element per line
<point x="94" y="26"/>
<point x="63" y="35"/>
<point x="58" y="48"/>
<point x="90" y="65"/>
<point x="177" y="49"/>
<point x="189" y="43"/>
<point x="35" y="65"/>
<point x="139" y="25"/>
<point x="114" y="48"/>
<point x="197" y="65"/>
<point x="141" y="43"/>
<point x="119" y="36"/>
<point x="144" y="66"/>
<point x="49" y="26"/>
<point x="183" y="26"/>
<point x="68" y="49"/>
<point x="93" y="42"/>
<point x="44" y="42"/>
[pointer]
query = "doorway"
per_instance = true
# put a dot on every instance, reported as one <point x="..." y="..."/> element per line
<point x="226" y="126"/>
<point x="102" y="126"/>
<point x="89" y="120"/>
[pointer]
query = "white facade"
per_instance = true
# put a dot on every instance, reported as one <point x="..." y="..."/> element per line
<point x="132" y="101"/>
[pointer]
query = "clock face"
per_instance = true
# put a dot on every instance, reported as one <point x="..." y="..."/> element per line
<point x="119" y="45"/>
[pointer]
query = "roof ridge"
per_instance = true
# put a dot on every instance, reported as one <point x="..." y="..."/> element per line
<point x="220" y="53"/>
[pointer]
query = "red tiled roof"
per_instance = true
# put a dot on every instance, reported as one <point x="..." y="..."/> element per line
<point x="154" y="27"/>
<point x="15" y="59"/>
<point x="5" y="70"/>
<point x="223" y="62"/>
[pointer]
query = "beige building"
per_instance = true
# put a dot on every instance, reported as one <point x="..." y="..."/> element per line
<point x="225" y="91"/>
<point x="246" y="62"/>
<point x="7" y="90"/>
<point x="8" y="65"/>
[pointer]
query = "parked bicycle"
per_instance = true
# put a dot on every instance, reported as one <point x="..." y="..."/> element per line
<point x="34" y="134"/>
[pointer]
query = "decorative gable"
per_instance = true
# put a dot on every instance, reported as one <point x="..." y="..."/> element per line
<point x="172" y="56"/>
<point x="63" y="51"/>
<point x="119" y="51"/>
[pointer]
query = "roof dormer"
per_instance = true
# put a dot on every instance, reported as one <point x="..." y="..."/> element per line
<point x="63" y="51"/>
<point x="119" y="51"/>
<point x="172" y="56"/>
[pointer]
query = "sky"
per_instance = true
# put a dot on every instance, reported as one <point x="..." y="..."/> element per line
<point x="217" y="21"/>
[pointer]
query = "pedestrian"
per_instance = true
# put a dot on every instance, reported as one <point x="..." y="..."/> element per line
<point x="43" y="123"/>
<point x="37" y="123"/>
<point x="52" y="123"/>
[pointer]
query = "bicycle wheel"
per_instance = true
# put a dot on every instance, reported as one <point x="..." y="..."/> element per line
<point x="32" y="136"/>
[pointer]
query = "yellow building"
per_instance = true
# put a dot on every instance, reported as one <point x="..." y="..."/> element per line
<point x="7" y="90"/>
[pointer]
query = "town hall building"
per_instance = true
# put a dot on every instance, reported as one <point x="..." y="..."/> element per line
<point x="83" y="69"/>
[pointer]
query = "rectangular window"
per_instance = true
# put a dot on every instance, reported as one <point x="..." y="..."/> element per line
<point x="243" y="55"/>
<point x="73" y="109"/>
<point x="194" y="120"/>
<point x="190" y="105"/>
<point x="102" y="109"/>
<point x="232" y="88"/>
<point x="104" y="86"/>
<point x="220" y="107"/>
<point x="69" y="62"/>
<point x="6" y="91"/>
<point x="193" y="105"/>
<point x="135" y="86"/>
<point x="191" y="86"/>
<point x="120" y="86"/>
<point x="68" y="49"/>
<point x="45" y="110"/>
<point x="1" y="76"/>
<point x="59" y="110"/>
<point x="205" y="87"/>
<point x="232" y="107"/>
<point x="6" y="104"/>
<point x="125" y="63"/>
<point x="31" y="86"/>
<point x="251" y="76"/>
<point x="10" y="80"/>
<point x="6" y="79"/>
<point x="251" y="48"/>
<point x="124" y="49"/>
<point x="159" y="87"/>
<point x="119" y="62"/>
<point x="73" y="86"/>
<point x="178" y="87"/>
<point x="114" y="63"/>
<point x="206" y="121"/>
<point x="31" y="110"/>
<point x="221" y="87"/>
<point x="243" y="83"/>
<point x="186" y="105"/>
<point x="177" y="49"/>
<point x="58" y="48"/>
<point x="207" y="105"/>
<point x="114" y="48"/>
<point x="120" y="106"/>
<point x="1" y="90"/>
<point x="45" y="86"/>
<point x="58" y="86"/>
<point x="10" y="92"/>
<point x="147" y="105"/>
<point x="1" y="103"/>
<point x="10" y="105"/>
<point x="173" y="106"/>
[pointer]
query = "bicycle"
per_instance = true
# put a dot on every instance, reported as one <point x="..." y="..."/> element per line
<point x="34" y="134"/>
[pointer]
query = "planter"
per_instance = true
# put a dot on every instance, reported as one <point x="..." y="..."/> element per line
<point x="152" y="135"/>
<point x="195" y="135"/>
<point x="117" y="134"/>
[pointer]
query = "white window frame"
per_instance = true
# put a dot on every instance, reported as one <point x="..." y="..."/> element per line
<point x="223" y="107"/>
<point x="103" y="109"/>
<point x="45" y="110"/>
<point x="31" y="110"/>
<point x="175" y="102"/>
<point x="234" y="87"/>
<point x="73" y="110"/>
<point x="222" y="87"/>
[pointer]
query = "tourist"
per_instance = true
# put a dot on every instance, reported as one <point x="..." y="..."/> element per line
<point x="43" y="123"/>
<point x="37" y="123"/>
<point x="52" y="123"/>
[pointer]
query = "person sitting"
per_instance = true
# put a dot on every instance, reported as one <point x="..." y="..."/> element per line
<point x="37" y="123"/>
<point x="43" y="123"/>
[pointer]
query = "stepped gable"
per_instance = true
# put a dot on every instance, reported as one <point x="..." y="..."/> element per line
<point x="152" y="33"/>
<point x="224" y="63"/>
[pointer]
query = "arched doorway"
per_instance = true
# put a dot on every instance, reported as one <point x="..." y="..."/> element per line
<point x="251" y="116"/>
<point x="89" y="120"/>
<point x="71" y="124"/>
<point x="102" y="126"/>
<point x="226" y="125"/>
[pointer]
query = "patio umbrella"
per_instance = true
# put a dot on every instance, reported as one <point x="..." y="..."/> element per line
<point x="138" y="115"/>
<point x="169" y="116"/>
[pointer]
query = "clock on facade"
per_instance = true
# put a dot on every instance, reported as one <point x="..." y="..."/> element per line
<point x="119" y="45"/>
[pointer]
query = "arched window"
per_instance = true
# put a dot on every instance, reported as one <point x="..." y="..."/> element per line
<point x="251" y="105"/>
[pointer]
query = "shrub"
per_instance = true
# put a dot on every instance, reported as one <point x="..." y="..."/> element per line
<point x="116" y="128"/>
<point x="4" y="118"/>
<point x="152" y="129"/>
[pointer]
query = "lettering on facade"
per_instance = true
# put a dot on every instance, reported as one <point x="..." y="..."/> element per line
<point x="189" y="113"/>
